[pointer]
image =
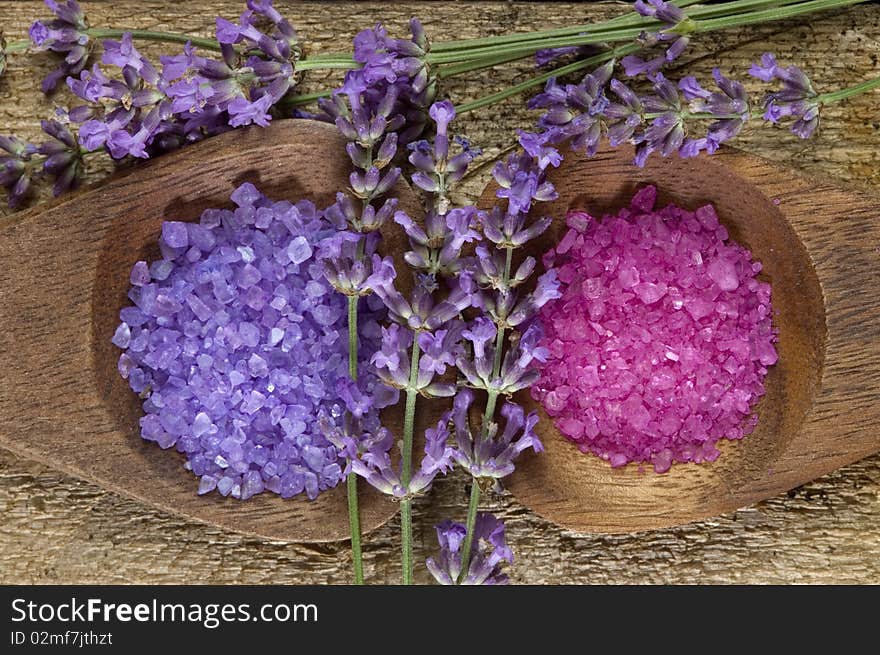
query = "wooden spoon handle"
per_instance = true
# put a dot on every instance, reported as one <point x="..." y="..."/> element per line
<point x="840" y="229"/>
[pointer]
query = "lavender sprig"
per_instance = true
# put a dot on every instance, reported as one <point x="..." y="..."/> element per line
<point x="66" y="34"/>
<point x="505" y="319"/>
<point x="59" y="159"/>
<point x="392" y="70"/>
<point x="486" y="550"/>
<point x="683" y="118"/>
<point x="676" y="27"/>
<point x="796" y="99"/>
<point x="371" y="130"/>
<point x="424" y="338"/>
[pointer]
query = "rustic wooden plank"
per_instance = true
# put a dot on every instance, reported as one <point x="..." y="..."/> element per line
<point x="59" y="529"/>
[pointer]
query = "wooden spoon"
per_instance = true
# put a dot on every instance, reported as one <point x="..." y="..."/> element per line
<point x="820" y="247"/>
<point x="63" y="279"/>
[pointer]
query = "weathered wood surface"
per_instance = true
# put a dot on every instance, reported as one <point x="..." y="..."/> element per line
<point x="58" y="529"/>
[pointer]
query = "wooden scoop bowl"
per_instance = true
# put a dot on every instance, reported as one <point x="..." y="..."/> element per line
<point x="820" y="248"/>
<point x="63" y="279"/>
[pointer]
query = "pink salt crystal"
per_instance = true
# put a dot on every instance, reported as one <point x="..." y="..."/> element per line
<point x="629" y="377"/>
<point x="566" y="242"/>
<point x="644" y="199"/>
<point x="649" y="292"/>
<point x="628" y="276"/>
<point x="723" y="273"/>
<point x="578" y="220"/>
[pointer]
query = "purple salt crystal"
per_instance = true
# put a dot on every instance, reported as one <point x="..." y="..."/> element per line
<point x="224" y="485"/>
<point x="122" y="336"/>
<point x="140" y="274"/>
<point x="201" y="424"/>
<point x="257" y="366"/>
<point x="174" y="233"/>
<point x="299" y="250"/>
<point x="207" y="484"/>
<point x="161" y="269"/>
<point x="248" y="276"/>
<point x="252" y="484"/>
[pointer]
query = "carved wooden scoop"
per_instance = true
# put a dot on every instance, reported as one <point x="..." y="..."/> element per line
<point x="820" y="248"/>
<point x="63" y="279"/>
<point x="64" y="275"/>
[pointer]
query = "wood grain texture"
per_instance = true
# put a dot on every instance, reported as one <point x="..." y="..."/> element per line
<point x="60" y="529"/>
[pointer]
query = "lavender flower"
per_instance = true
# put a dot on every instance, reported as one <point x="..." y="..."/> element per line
<point x="145" y="111"/>
<point x="676" y="25"/>
<point x="393" y="80"/>
<point x="488" y="551"/>
<point x="373" y="137"/>
<point x="63" y="158"/>
<point x="730" y="105"/>
<point x="573" y="113"/>
<point x="67" y="35"/>
<point x="422" y="311"/>
<point x="368" y="455"/>
<point x="248" y="91"/>
<point x="59" y="158"/>
<point x="15" y="169"/>
<point x="549" y="55"/>
<point x="490" y="454"/>
<point x="521" y="181"/>
<point x="659" y="121"/>
<point x="796" y="98"/>
<point x="126" y="115"/>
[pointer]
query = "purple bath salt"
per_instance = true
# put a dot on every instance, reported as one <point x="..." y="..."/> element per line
<point x="236" y="342"/>
<point x="660" y="342"/>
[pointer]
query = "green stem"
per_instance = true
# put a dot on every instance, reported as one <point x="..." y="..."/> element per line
<point x="17" y="46"/>
<point x="305" y="98"/>
<point x="623" y="20"/>
<point x="843" y="94"/>
<point x="469" y="527"/>
<point x="597" y="30"/>
<point x="450" y="70"/>
<point x="354" y="519"/>
<point x="409" y="416"/>
<point x="772" y="14"/>
<point x="516" y="89"/>
<point x="314" y="63"/>
<point x="151" y="35"/>
<point x="406" y="539"/>
<point x="629" y="33"/>
<point x="352" y="337"/>
<point x="354" y="522"/>
<point x="530" y="47"/>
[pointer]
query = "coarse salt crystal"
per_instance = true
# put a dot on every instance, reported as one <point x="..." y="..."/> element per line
<point x="628" y="376"/>
<point x="236" y="352"/>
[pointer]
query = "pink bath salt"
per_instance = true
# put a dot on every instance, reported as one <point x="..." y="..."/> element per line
<point x="660" y="342"/>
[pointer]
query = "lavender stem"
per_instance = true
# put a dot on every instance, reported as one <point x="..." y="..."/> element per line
<point x="469" y="526"/>
<point x="354" y="519"/>
<point x="406" y="464"/>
